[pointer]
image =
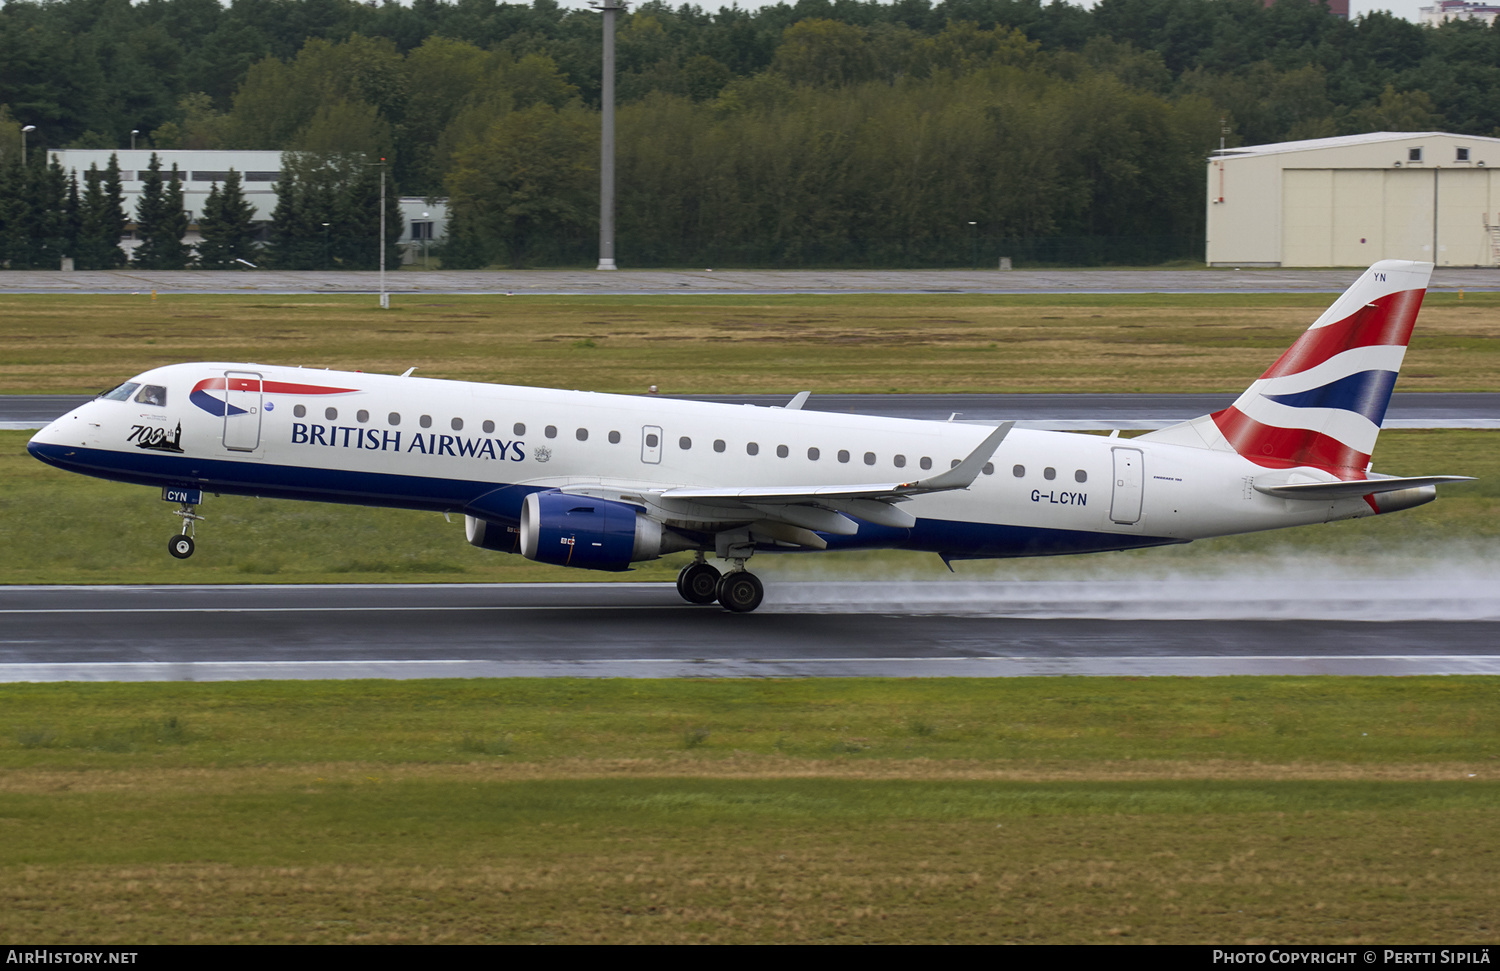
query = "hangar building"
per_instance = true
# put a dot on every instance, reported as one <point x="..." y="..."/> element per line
<point x="1355" y="199"/>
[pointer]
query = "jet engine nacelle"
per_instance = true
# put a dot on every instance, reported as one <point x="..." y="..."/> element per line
<point x="490" y="536"/>
<point x="595" y="534"/>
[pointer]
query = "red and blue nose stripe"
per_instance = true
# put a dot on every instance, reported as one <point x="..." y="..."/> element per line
<point x="219" y="407"/>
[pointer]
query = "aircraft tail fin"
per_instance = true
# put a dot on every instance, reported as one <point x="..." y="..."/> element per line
<point x="1322" y="403"/>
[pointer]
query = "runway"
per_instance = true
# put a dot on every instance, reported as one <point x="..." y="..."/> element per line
<point x="1365" y="626"/>
<point x="1057" y="412"/>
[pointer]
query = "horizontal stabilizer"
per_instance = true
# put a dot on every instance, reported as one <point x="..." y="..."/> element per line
<point x="1355" y="488"/>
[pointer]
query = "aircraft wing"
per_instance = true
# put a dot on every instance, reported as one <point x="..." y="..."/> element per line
<point x="824" y="508"/>
<point x="961" y="476"/>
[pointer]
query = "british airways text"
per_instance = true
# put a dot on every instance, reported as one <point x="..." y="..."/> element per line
<point x="383" y="440"/>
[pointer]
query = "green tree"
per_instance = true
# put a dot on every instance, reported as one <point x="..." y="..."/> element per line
<point x="532" y="178"/>
<point x="227" y="226"/>
<point x="160" y="220"/>
<point x="101" y="220"/>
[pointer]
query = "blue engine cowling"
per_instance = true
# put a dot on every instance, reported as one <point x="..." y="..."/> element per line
<point x="593" y="534"/>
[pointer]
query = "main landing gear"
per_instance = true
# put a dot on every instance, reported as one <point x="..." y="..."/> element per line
<point x="738" y="590"/>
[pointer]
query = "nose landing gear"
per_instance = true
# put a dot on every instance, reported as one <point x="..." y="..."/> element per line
<point x="181" y="545"/>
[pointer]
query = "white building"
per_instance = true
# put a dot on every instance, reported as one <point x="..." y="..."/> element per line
<point x="259" y="171"/>
<point x="1353" y="200"/>
<point x="1457" y="10"/>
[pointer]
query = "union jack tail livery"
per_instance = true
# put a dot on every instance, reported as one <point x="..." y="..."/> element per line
<point x="1321" y="404"/>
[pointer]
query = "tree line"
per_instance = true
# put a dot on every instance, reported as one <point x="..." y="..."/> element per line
<point x="832" y="131"/>
<point x="326" y="217"/>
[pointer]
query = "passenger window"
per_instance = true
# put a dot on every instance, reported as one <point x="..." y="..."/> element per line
<point x="651" y="440"/>
<point x="614" y="438"/>
<point x="782" y="451"/>
<point x="869" y="458"/>
<point x="394" y="417"/>
<point x="488" y="426"/>
<point x="900" y="461"/>
<point x="457" y="424"/>
<point x="719" y="445"/>
<point x="582" y="434"/>
<point x="752" y="449"/>
<point x="425" y="421"/>
<point x="152" y="394"/>
<point x="813" y="454"/>
<point x="550" y="431"/>
<point x="989" y="468"/>
<point x="953" y="464"/>
<point x="926" y="463"/>
<point x="519" y="428"/>
<point x="1019" y="471"/>
<point x="1049" y="473"/>
<point x="684" y="443"/>
<point x="843" y="455"/>
<point x="330" y="413"/>
<point x="1080" y="476"/>
<point x="299" y="411"/>
<point x="361" y="416"/>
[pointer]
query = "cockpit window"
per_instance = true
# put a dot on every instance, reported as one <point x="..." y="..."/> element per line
<point x="152" y="394"/>
<point x="122" y="393"/>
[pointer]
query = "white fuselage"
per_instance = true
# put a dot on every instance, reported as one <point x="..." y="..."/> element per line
<point x="478" y="448"/>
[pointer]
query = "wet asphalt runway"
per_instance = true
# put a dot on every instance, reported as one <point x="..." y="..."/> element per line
<point x="644" y="630"/>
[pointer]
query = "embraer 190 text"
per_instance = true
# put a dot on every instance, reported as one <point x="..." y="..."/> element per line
<point x="602" y="481"/>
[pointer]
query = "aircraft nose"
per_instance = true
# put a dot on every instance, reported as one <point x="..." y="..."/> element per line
<point x="70" y="429"/>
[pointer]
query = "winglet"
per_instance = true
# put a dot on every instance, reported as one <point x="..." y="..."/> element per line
<point x="798" y="401"/>
<point x="962" y="475"/>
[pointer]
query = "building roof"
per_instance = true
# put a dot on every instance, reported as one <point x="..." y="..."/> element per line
<point x="1343" y="141"/>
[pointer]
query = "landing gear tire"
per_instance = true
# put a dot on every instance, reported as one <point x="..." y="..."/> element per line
<point x="180" y="546"/>
<point x="740" y="592"/>
<point x="698" y="583"/>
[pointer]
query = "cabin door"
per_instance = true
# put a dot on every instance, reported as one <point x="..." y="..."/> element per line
<point x="1125" y="501"/>
<point x="242" y="406"/>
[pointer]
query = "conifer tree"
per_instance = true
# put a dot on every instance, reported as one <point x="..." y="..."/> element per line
<point x="111" y="219"/>
<point x="160" y="221"/>
<point x="227" y="225"/>
<point x="149" y="215"/>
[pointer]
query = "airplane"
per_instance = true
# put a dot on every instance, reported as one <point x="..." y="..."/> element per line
<point x="602" y="481"/>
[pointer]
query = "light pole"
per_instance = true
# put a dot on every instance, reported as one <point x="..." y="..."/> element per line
<point x="426" y="237"/>
<point x="974" y="234"/>
<point x="611" y="10"/>
<point x="133" y="132"/>
<point x="28" y="128"/>
<point x="385" y="300"/>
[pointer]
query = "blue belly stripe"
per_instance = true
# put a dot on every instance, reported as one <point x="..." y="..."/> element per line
<point x="500" y="502"/>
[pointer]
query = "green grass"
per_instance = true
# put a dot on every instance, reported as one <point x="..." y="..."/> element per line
<point x="1287" y="810"/>
<point x="690" y="724"/>
<point x="58" y="527"/>
<point x="727" y="343"/>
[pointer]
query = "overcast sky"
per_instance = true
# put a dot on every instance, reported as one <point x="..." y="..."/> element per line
<point x="1403" y="8"/>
